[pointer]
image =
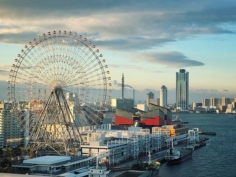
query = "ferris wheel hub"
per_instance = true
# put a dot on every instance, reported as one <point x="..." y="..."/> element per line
<point x="58" y="84"/>
<point x="57" y="88"/>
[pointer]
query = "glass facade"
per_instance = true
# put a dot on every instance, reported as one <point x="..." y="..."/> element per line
<point x="163" y="96"/>
<point x="182" y="89"/>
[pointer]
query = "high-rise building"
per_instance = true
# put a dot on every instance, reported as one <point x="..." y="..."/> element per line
<point x="11" y="135"/>
<point x="216" y="102"/>
<point x="163" y="96"/>
<point x="226" y="101"/>
<point x="206" y="102"/>
<point x="155" y="101"/>
<point x="149" y="96"/>
<point x="182" y="89"/>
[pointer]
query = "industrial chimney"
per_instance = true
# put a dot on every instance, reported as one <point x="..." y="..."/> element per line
<point x="134" y="95"/>
<point x="122" y="85"/>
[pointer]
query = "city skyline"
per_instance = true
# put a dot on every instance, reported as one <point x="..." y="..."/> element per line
<point x="151" y="40"/>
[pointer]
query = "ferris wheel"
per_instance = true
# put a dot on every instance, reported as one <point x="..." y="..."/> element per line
<point x="59" y="82"/>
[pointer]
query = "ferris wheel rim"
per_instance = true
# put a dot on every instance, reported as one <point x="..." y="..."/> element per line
<point x="21" y="57"/>
<point x="36" y="43"/>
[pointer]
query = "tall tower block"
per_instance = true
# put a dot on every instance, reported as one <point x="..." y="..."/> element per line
<point x="182" y="89"/>
<point x="163" y="96"/>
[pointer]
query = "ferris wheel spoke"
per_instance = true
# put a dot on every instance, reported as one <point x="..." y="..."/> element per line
<point x="87" y="82"/>
<point x="89" y="115"/>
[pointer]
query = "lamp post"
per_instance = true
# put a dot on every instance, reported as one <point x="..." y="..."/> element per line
<point x="51" y="171"/>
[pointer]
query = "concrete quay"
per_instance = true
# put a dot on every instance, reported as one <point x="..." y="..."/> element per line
<point x="159" y="156"/>
<point x="118" y="170"/>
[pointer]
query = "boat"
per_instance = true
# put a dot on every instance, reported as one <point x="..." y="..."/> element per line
<point x="174" y="155"/>
<point x="151" y="168"/>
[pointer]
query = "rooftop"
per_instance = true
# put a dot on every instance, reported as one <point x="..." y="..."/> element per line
<point x="47" y="160"/>
<point x="52" y="161"/>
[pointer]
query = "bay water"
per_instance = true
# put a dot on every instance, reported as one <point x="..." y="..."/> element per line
<point x="218" y="157"/>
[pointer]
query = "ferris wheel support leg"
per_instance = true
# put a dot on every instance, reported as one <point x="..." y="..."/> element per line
<point x="42" y="116"/>
<point x="58" y="93"/>
<point x="32" y="144"/>
<point x="69" y="113"/>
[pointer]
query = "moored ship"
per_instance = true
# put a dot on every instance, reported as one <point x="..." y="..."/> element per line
<point x="151" y="167"/>
<point x="174" y="155"/>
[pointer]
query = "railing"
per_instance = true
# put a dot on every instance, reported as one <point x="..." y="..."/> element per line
<point x="113" y="169"/>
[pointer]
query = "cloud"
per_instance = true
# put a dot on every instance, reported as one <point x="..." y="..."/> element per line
<point x="135" y="43"/>
<point x="3" y="90"/>
<point x="17" y="37"/>
<point x="171" y="59"/>
<point x="126" y="66"/>
<point x="213" y="90"/>
<point x="134" y="67"/>
<point x="204" y="90"/>
<point x="4" y="71"/>
<point x="158" y="71"/>
<point x="117" y="25"/>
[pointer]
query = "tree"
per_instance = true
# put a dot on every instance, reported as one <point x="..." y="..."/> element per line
<point x="5" y="163"/>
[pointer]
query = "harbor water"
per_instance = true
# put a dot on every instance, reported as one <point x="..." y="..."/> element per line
<point x="218" y="157"/>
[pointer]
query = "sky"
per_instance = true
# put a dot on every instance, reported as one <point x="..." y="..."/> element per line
<point x="147" y="41"/>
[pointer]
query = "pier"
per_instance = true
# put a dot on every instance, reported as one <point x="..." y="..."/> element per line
<point x="207" y="133"/>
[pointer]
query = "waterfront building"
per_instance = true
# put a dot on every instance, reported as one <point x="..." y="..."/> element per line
<point x="195" y="105"/>
<point x="206" y="102"/>
<point x="120" y="144"/>
<point x="230" y="109"/>
<point x="63" y="166"/>
<point x="226" y="101"/>
<point x="234" y="104"/>
<point x="167" y="113"/>
<point x="149" y="118"/>
<point x="201" y="109"/>
<point x="219" y="104"/>
<point x="11" y="134"/>
<point x="182" y="89"/>
<point x="122" y="103"/>
<point x="163" y="96"/>
<point x="155" y="116"/>
<point x="171" y="130"/>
